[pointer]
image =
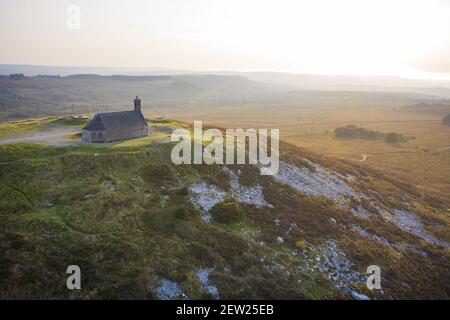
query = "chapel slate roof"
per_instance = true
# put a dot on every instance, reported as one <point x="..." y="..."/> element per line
<point x="116" y="121"/>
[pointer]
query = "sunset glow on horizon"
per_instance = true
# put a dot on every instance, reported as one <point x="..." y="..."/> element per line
<point x="351" y="37"/>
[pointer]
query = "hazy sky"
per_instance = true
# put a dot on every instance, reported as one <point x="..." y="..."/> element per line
<point x="396" y="37"/>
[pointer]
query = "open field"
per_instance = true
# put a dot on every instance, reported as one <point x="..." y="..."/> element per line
<point x="423" y="161"/>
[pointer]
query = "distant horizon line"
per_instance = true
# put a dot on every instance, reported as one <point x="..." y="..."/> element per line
<point x="438" y="76"/>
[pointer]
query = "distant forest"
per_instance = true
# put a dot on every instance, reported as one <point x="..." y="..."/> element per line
<point x="355" y="132"/>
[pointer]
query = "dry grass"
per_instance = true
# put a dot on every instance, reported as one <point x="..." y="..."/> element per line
<point x="422" y="161"/>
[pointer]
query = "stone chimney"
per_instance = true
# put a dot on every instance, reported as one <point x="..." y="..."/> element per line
<point x="137" y="104"/>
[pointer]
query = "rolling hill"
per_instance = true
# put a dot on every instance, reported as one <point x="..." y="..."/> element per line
<point x="38" y="96"/>
<point x="141" y="227"/>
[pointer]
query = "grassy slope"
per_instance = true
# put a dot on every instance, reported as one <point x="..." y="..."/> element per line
<point x="122" y="212"/>
<point x="415" y="162"/>
<point x="20" y="127"/>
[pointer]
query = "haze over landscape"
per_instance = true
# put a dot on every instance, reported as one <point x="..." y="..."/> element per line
<point x="360" y="93"/>
<point x="400" y="38"/>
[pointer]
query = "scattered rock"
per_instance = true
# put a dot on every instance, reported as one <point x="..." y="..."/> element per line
<point x="359" y="296"/>
<point x="47" y="204"/>
<point x="409" y="222"/>
<point x="361" y="212"/>
<point x="203" y="277"/>
<point x="365" y="234"/>
<point x="206" y="217"/>
<point x="91" y="196"/>
<point x="320" y="182"/>
<point x="335" y="264"/>
<point x="246" y="194"/>
<point x="109" y="185"/>
<point x="169" y="290"/>
<point x="205" y="196"/>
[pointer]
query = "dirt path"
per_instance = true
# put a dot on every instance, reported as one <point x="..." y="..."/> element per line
<point x="441" y="149"/>
<point x="364" y="156"/>
<point x="54" y="137"/>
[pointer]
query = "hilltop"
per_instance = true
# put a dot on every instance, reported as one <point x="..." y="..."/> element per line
<point x="141" y="227"/>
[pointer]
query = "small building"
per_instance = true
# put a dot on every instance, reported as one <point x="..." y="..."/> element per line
<point x="114" y="126"/>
